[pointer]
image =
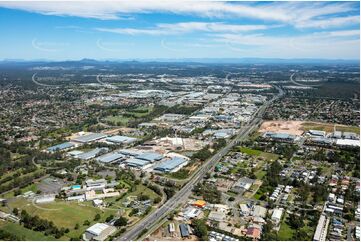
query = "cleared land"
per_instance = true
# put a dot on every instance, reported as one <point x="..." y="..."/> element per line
<point x="288" y="127"/>
<point x="299" y="127"/>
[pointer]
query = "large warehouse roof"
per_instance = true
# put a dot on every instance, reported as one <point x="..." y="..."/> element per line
<point x="110" y="157"/>
<point x="150" y="156"/>
<point x="136" y="162"/>
<point x="120" y="139"/>
<point x="169" y="165"/>
<point x="62" y="146"/>
<point x="89" y="137"/>
<point x="90" y="154"/>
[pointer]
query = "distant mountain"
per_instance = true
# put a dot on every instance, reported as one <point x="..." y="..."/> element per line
<point x="86" y="61"/>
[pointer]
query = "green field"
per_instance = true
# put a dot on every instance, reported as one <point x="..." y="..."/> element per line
<point x="63" y="214"/>
<point x="258" y="153"/>
<point x="123" y="119"/>
<point x="24" y="233"/>
<point x="260" y="174"/>
<point x="285" y="232"/>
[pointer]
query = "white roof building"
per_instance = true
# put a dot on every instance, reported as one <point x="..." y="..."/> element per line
<point x="277" y="215"/>
<point x="99" y="232"/>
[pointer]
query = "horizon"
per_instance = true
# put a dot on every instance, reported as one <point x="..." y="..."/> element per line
<point x="126" y="30"/>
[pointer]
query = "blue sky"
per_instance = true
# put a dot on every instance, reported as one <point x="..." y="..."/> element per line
<point x="179" y="29"/>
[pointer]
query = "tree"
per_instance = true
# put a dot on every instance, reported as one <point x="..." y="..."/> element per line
<point x="109" y="218"/>
<point x="16" y="211"/>
<point x="97" y="217"/>
<point x="86" y="223"/>
<point x="120" y="222"/>
<point x="200" y="229"/>
<point x="157" y="200"/>
<point x="76" y="226"/>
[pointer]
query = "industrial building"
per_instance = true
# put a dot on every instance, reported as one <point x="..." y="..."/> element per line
<point x="150" y="156"/>
<point x="91" y="154"/>
<point x="89" y="138"/>
<point x="118" y="139"/>
<point x="137" y="163"/>
<point x="279" y="136"/>
<point x="99" y="232"/>
<point x="171" y="165"/>
<point x="60" y="147"/>
<point x="110" y="157"/>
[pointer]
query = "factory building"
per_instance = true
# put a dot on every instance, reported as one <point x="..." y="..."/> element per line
<point x="60" y="147"/>
<point x="88" y="138"/>
<point x="171" y="165"/>
<point x="99" y="232"/>
<point x="110" y="157"/>
<point x="118" y="139"/>
<point x="91" y="154"/>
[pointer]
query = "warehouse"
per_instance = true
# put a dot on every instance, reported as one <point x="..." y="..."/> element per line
<point x="60" y="147"/>
<point x="317" y="133"/>
<point x="279" y="136"/>
<point x="118" y="139"/>
<point x="130" y="152"/>
<point x="171" y="165"/>
<point x="110" y="157"/>
<point x="99" y="232"/>
<point x="89" y="137"/>
<point x="91" y="154"/>
<point x="137" y="163"/>
<point x="347" y="142"/>
<point x="150" y="156"/>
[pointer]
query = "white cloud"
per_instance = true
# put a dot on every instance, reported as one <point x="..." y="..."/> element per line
<point x="186" y="27"/>
<point x="333" y="44"/>
<point x="329" y="22"/>
<point x="302" y="14"/>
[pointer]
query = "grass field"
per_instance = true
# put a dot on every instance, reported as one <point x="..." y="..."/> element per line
<point x="24" y="233"/>
<point x="329" y="127"/>
<point x="63" y="214"/>
<point x="260" y="174"/>
<point x="285" y="232"/>
<point x="258" y="153"/>
<point x="123" y="120"/>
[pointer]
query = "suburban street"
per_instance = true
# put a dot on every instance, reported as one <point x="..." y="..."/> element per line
<point x="182" y="195"/>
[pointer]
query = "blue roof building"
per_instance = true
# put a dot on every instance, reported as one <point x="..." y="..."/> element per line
<point x="110" y="157"/>
<point x="184" y="230"/>
<point x="137" y="163"/>
<point x="171" y="165"/>
<point x="150" y="156"/>
<point x="91" y="154"/>
<point x="60" y="147"/>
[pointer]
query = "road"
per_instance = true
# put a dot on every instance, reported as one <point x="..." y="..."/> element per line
<point x="299" y="84"/>
<point x="182" y="195"/>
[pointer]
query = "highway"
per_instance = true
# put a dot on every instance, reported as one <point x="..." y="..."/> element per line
<point x="182" y="195"/>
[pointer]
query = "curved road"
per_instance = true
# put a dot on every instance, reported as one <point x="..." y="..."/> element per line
<point x="182" y="195"/>
<point x="299" y="84"/>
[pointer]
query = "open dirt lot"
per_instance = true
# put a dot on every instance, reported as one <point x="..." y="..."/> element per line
<point x="288" y="127"/>
<point x="298" y="127"/>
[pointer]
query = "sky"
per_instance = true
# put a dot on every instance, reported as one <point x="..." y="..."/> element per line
<point x="179" y="29"/>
